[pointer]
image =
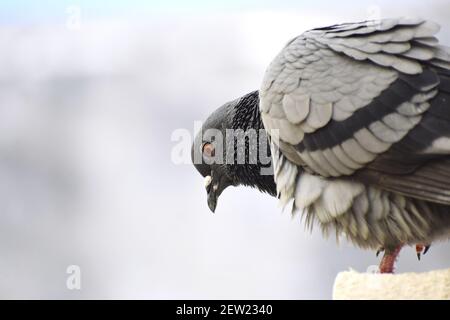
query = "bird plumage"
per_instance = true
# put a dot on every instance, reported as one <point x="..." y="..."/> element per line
<point x="358" y="116"/>
<point x="363" y="117"/>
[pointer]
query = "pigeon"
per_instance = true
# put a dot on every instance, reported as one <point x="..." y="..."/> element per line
<point x="356" y="117"/>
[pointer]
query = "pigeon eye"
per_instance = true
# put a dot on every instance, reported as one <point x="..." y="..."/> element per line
<point x="208" y="150"/>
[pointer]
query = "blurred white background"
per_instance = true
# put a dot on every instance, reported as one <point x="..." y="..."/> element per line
<point x="90" y="93"/>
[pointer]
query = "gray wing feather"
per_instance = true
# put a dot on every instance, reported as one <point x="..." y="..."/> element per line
<point x="341" y="97"/>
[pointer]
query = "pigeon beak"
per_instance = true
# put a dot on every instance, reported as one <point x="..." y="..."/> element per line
<point x="211" y="189"/>
<point x="212" y="201"/>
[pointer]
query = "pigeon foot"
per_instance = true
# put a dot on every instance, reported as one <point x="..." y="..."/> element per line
<point x="421" y="248"/>
<point x="387" y="264"/>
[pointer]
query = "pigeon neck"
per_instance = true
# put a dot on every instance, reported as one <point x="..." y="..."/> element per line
<point x="246" y="116"/>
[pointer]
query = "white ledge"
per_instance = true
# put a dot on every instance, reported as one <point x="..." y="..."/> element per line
<point x="428" y="285"/>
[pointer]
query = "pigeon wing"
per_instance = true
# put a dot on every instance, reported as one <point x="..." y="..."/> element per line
<point x="365" y="101"/>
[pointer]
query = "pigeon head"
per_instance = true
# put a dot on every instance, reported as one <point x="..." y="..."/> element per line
<point x="232" y="149"/>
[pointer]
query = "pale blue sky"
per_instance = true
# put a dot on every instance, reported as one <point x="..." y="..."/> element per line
<point x="48" y="11"/>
